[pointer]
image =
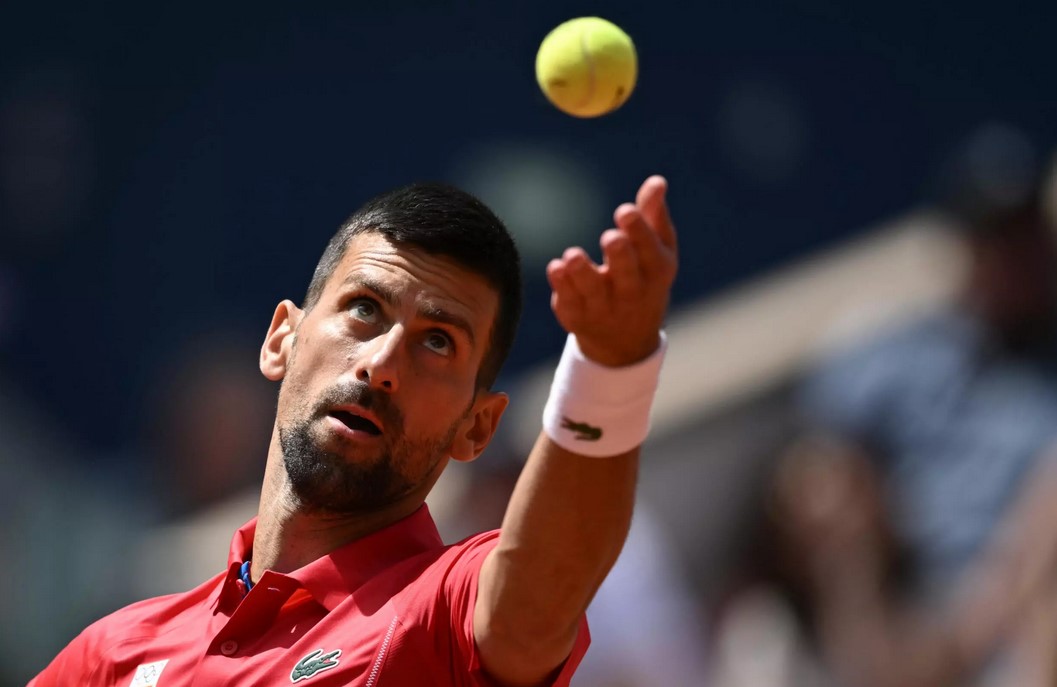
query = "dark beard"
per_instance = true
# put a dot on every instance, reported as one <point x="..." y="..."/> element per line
<point x="329" y="482"/>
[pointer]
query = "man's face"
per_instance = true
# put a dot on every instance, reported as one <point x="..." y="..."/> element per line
<point x="379" y="386"/>
<point x="1014" y="285"/>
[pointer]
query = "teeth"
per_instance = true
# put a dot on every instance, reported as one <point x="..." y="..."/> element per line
<point x="356" y="422"/>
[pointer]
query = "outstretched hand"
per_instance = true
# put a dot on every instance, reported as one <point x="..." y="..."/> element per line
<point x="616" y="309"/>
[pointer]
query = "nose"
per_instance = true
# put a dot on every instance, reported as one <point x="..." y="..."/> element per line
<point x="379" y="358"/>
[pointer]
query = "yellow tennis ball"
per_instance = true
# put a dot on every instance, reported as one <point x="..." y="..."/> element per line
<point x="587" y="67"/>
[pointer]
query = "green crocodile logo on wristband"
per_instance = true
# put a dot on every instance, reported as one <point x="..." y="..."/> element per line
<point x="584" y="431"/>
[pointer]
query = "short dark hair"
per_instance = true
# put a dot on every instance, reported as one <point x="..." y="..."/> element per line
<point x="1019" y="217"/>
<point x="441" y="220"/>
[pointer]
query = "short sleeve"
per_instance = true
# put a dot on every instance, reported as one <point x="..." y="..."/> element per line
<point x="460" y="588"/>
<point x="74" y="665"/>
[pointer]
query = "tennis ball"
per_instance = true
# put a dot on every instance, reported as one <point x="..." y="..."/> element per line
<point x="587" y="67"/>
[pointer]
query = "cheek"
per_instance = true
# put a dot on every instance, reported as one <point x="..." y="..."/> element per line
<point x="289" y="395"/>
<point x="440" y="405"/>
<point x="295" y="391"/>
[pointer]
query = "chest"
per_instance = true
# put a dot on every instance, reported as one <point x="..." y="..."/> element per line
<point x="293" y="644"/>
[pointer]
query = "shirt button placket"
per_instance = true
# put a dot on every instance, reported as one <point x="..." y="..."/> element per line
<point x="229" y="647"/>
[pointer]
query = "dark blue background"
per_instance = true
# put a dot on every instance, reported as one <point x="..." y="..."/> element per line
<point x="217" y="149"/>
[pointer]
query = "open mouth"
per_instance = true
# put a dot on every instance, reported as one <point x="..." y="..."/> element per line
<point x="355" y="422"/>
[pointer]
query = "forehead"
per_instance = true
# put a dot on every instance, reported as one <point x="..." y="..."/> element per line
<point x="416" y="276"/>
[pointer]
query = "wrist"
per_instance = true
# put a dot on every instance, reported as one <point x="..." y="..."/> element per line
<point x="622" y="355"/>
<point x="598" y="410"/>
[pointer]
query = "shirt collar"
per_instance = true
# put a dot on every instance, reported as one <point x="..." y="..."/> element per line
<point x="332" y="577"/>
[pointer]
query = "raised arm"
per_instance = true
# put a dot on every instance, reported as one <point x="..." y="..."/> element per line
<point x="873" y="638"/>
<point x="571" y="509"/>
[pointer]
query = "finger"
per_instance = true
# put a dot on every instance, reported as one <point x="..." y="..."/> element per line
<point x="565" y="300"/>
<point x="652" y="202"/>
<point x="644" y="240"/>
<point x="583" y="274"/>
<point x="621" y="263"/>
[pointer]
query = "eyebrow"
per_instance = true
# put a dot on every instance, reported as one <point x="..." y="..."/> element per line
<point x="430" y="311"/>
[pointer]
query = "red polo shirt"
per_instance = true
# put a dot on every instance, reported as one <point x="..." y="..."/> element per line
<point x="392" y="609"/>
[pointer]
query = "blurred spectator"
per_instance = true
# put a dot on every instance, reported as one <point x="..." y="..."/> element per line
<point x="826" y="599"/>
<point x="822" y="530"/>
<point x="48" y="160"/>
<point x="959" y="409"/>
<point x="205" y="445"/>
<point x="209" y="423"/>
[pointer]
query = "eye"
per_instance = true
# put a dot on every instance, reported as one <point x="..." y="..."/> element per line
<point x="364" y="309"/>
<point x="439" y="342"/>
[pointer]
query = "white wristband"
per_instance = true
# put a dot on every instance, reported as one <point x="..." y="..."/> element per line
<point x="601" y="411"/>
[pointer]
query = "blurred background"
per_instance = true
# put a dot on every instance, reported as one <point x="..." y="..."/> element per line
<point x="860" y="382"/>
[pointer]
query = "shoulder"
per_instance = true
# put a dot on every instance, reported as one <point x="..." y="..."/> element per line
<point x="440" y="572"/>
<point x="435" y="608"/>
<point x="84" y="660"/>
<point x="428" y="600"/>
<point x="158" y="614"/>
<point x="469" y="552"/>
<point x="438" y="589"/>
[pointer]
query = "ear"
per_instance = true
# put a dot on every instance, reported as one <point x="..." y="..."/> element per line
<point x="277" y="350"/>
<point x="479" y="426"/>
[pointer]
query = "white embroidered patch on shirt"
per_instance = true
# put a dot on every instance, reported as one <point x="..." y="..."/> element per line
<point x="147" y="674"/>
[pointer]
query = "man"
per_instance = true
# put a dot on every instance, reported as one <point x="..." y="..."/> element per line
<point x="957" y="412"/>
<point x="385" y="371"/>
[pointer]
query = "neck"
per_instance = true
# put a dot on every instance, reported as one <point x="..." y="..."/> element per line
<point x="289" y="536"/>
